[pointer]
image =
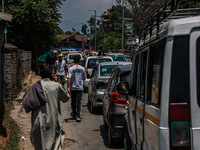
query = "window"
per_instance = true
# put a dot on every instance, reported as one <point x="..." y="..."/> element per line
<point x="198" y="70"/>
<point x="92" y="62"/>
<point x="135" y="76"/>
<point x="118" y="57"/>
<point x="143" y="74"/>
<point x="72" y="56"/>
<point x="107" y="70"/>
<point x="156" y="52"/>
<point x="179" y="84"/>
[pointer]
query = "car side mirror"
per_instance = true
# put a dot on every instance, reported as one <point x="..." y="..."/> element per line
<point x="123" y="88"/>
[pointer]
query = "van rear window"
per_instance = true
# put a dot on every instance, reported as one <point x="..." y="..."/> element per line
<point x="179" y="84"/>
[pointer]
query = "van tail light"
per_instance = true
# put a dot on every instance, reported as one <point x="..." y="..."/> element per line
<point x="101" y="85"/>
<point x="118" y="98"/>
<point x="86" y="71"/>
<point x="179" y="126"/>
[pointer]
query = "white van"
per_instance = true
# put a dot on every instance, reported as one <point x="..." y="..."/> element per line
<point x="164" y="94"/>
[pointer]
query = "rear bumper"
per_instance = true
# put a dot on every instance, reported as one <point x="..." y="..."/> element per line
<point x="117" y="123"/>
<point x="97" y="101"/>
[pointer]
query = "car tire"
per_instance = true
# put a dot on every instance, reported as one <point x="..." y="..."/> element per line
<point x="92" y="109"/>
<point x="127" y="143"/>
<point x="85" y="89"/>
<point x="89" y="102"/>
<point x="111" y="140"/>
<point x="104" y="123"/>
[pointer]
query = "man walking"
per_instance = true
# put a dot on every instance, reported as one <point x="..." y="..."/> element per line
<point x="60" y="69"/>
<point x="43" y="100"/>
<point x="76" y="75"/>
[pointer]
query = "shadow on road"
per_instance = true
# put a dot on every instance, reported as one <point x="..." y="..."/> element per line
<point x="70" y="119"/>
<point x="104" y="134"/>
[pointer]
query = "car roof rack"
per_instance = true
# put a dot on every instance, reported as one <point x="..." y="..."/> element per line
<point x="166" y="12"/>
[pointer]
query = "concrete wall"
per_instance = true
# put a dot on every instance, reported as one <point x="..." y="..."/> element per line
<point x="17" y="65"/>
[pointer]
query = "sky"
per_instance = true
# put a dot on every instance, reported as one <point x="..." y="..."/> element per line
<point x="75" y="12"/>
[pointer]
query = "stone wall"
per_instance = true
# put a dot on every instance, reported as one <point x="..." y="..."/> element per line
<point x="17" y="65"/>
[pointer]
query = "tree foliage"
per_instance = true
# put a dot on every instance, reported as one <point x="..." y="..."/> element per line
<point x="142" y="9"/>
<point x="35" y="23"/>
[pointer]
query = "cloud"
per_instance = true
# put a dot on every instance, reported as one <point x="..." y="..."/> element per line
<point x="73" y="9"/>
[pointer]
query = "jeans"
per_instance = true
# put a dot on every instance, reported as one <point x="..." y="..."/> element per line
<point x="76" y="102"/>
<point x="61" y="79"/>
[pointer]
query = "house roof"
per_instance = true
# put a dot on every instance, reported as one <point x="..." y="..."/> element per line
<point x="77" y="37"/>
<point x="6" y="17"/>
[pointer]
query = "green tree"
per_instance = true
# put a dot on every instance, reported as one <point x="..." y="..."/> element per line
<point x="68" y="32"/>
<point x="35" y="23"/>
<point x="84" y="29"/>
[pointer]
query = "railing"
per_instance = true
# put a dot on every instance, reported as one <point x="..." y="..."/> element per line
<point x="168" y="11"/>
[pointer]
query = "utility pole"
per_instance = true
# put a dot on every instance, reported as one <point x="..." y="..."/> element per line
<point x="123" y="26"/>
<point x="82" y="39"/>
<point x="95" y="28"/>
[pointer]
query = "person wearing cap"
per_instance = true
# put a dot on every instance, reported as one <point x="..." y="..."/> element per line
<point x="60" y="69"/>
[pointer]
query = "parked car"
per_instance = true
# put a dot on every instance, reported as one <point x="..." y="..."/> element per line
<point x="98" y="82"/>
<point x="70" y="57"/>
<point x="114" y="104"/>
<point x="90" y="63"/>
<point x="117" y="56"/>
<point x="164" y="98"/>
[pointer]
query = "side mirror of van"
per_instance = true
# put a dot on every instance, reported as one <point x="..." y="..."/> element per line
<point x="123" y="88"/>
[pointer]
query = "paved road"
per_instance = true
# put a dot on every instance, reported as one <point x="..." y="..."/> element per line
<point x="89" y="134"/>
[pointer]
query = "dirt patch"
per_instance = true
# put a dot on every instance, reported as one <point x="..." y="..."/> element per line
<point x="68" y="142"/>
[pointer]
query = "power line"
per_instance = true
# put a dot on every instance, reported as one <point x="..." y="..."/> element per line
<point x="74" y="19"/>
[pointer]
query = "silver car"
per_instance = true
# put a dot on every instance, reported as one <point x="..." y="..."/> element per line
<point x="98" y="83"/>
<point x="90" y="63"/>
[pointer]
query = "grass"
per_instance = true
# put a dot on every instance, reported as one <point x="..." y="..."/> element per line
<point x="13" y="133"/>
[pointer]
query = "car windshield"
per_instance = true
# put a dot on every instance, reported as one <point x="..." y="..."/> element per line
<point x="92" y="62"/>
<point x="118" y="57"/>
<point x="107" y="70"/>
<point x="72" y="56"/>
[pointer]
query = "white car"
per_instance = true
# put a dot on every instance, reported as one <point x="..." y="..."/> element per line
<point x="70" y="57"/>
<point x="90" y="63"/>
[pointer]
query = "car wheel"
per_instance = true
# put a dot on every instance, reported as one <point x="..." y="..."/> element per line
<point x="89" y="102"/>
<point x="127" y="143"/>
<point x="85" y="90"/>
<point x="91" y="107"/>
<point x="104" y="123"/>
<point x="111" y="140"/>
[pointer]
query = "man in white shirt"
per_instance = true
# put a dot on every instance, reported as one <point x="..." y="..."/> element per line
<point x="60" y="69"/>
<point x="76" y="75"/>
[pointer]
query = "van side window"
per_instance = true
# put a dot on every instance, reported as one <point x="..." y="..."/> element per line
<point x="143" y="74"/>
<point x="155" y="73"/>
<point x="135" y="76"/>
<point x="179" y="84"/>
<point x="198" y="70"/>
